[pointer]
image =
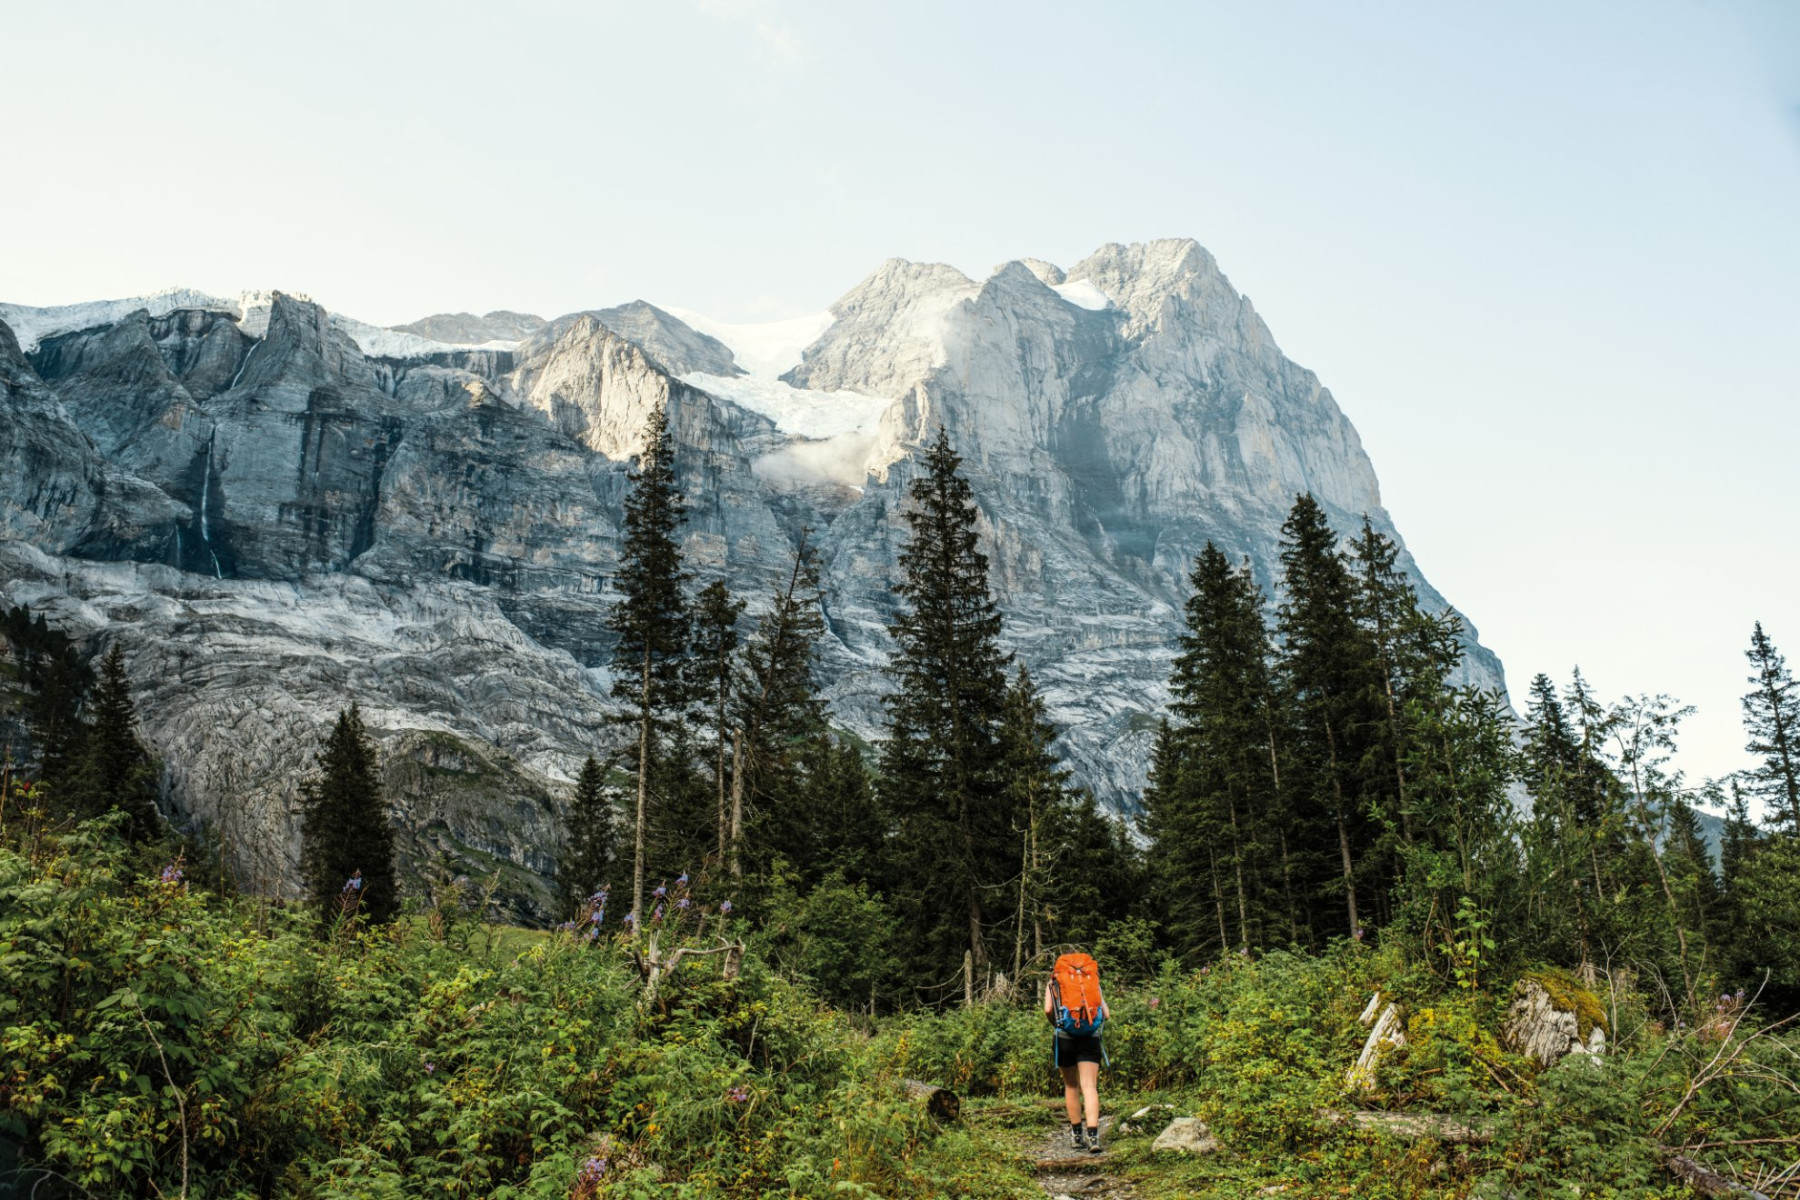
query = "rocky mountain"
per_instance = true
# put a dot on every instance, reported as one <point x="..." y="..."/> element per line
<point x="467" y="329"/>
<point x="281" y="509"/>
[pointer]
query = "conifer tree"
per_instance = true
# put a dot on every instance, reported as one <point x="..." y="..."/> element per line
<point x="1549" y="750"/>
<point x="1772" y="719"/>
<point x="58" y="681"/>
<point x="1221" y="693"/>
<point x="1388" y="608"/>
<point x="784" y="737"/>
<point x="716" y="615"/>
<point x="1036" y="786"/>
<point x="592" y="842"/>
<point x="850" y="828"/>
<point x="1330" y="672"/>
<point x="1173" y="824"/>
<point x="938" y="764"/>
<point x="651" y="621"/>
<point x="116" y="771"/>
<point x="345" y="832"/>
<point x="1099" y="875"/>
<point x="1740" y="838"/>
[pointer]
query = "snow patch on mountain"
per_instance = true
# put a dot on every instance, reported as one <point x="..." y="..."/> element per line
<point x="1083" y="294"/>
<point x="377" y="342"/>
<point x="765" y="350"/>
<point x="804" y="413"/>
<point x="250" y="309"/>
<point x="837" y="432"/>
<point x="33" y="324"/>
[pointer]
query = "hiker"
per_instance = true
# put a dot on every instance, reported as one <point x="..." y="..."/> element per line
<point x="1076" y="1011"/>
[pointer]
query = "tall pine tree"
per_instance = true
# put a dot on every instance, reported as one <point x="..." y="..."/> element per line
<point x="1036" y="786"/>
<point x="345" y="832"/>
<point x="1222" y="693"/>
<point x="1772" y="719"/>
<point x="652" y="623"/>
<point x="784" y="741"/>
<point x="1330" y="671"/>
<point x="939" y="763"/>
<point x="715" y="644"/>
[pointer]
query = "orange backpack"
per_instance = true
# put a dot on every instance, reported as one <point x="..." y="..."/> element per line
<point x="1078" y="1005"/>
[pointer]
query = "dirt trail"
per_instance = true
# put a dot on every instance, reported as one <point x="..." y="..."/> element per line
<point x="1062" y="1172"/>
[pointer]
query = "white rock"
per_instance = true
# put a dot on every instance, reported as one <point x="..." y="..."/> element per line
<point x="1186" y="1135"/>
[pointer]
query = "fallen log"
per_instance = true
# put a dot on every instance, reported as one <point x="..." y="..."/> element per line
<point x="943" y="1104"/>
<point x="1447" y="1130"/>
<point x="1707" y="1181"/>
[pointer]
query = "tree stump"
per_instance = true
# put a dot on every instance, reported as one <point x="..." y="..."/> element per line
<point x="1385" y="1030"/>
<point x="942" y="1104"/>
<point x="1551" y="1017"/>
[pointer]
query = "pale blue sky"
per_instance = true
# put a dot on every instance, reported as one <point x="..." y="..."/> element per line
<point x="1547" y="255"/>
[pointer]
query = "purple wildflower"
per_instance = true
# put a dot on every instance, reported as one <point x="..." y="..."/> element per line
<point x="1154" y="1002"/>
<point x="592" y="1171"/>
<point x="737" y="1094"/>
<point x="630" y="918"/>
<point x="659" y="893"/>
<point x="354" y="883"/>
<point x="171" y="874"/>
<point x="657" y="914"/>
<point x="725" y="908"/>
<point x="682" y="881"/>
<point x="430" y="1068"/>
<point x="683" y="903"/>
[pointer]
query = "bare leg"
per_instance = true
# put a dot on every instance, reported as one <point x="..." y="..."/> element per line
<point x="1072" y="1090"/>
<point x="1090" y="1091"/>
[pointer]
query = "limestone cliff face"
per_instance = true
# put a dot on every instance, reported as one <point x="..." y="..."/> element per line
<point x="58" y="490"/>
<point x="283" y="510"/>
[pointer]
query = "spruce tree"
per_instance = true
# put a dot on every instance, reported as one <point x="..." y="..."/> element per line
<point x="1549" y="749"/>
<point x="592" y="842"/>
<point x="1036" y="787"/>
<point x="1740" y="838"/>
<point x="716" y="615"/>
<point x="1173" y="824"/>
<point x="784" y="740"/>
<point x="1772" y="719"/>
<point x="345" y="832"/>
<point x="58" y="680"/>
<point x="116" y="772"/>
<point x="939" y="762"/>
<point x="1388" y="608"/>
<point x="652" y="624"/>
<point x="1330" y="671"/>
<point x="1221" y="696"/>
<point x="850" y="828"/>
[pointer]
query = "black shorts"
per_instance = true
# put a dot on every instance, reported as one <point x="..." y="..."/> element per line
<point x="1072" y="1050"/>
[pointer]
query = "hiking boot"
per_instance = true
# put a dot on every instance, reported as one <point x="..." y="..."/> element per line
<point x="1093" y="1139"/>
<point x="1075" y="1142"/>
